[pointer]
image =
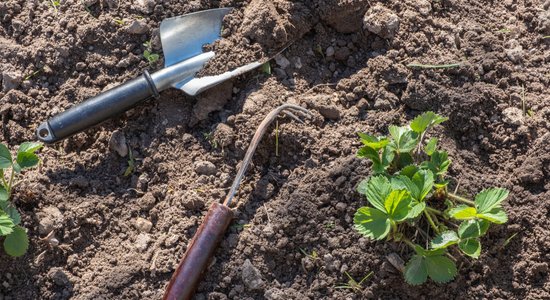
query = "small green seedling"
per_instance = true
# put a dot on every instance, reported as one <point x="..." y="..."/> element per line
<point x="407" y="185"/>
<point x="353" y="284"/>
<point x="266" y="68"/>
<point x="313" y="255"/>
<point x="131" y="163"/>
<point x="329" y="225"/>
<point x="31" y="75"/>
<point x="55" y="4"/>
<point x="149" y="55"/>
<point x="209" y="136"/>
<point x="508" y="240"/>
<point x="119" y="21"/>
<point x="16" y="241"/>
<point x="241" y="226"/>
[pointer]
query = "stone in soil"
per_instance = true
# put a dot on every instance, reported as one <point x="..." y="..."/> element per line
<point x="10" y="81"/>
<point x="251" y="277"/>
<point x="205" y="168"/>
<point x="512" y="116"/>
<point x="49" y="219"/>
<point x="118" y="144"/>
<point x="142" y="242"/>
<point x="143" y="225"/>
<point x="138" y="27"/>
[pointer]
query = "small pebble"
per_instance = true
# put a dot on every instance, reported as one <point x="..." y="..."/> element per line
<point x="205" y="168"/>
<point x="143" y="225"/>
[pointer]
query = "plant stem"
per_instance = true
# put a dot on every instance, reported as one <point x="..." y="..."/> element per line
<point x="431" y="222"/>
<point x="9" y="187"/>
<point x="408" y="242"/>
<point x="460" y="199"/>
<point x="434" y="211"/>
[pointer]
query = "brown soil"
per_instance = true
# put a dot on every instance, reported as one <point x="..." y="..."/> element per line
<point x="353" y="80"/>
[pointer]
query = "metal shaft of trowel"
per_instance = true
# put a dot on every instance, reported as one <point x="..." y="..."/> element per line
<point x="166" y="77"/>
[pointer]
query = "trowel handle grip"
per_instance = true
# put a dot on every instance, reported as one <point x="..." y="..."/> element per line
<point x="97" y="109"/>
<point x="199" y="251"/>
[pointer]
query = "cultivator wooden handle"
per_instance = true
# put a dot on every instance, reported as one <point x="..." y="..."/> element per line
<point x="198" y="253"/>
<point x="204" y="243"/>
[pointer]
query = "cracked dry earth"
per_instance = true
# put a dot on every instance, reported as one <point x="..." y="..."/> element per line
<point x="121" y="237"/>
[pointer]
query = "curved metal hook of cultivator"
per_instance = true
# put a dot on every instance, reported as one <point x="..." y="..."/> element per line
<point x="201" y="248"/>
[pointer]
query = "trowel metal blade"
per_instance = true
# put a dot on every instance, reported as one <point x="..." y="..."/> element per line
<point x="183" y="37"/>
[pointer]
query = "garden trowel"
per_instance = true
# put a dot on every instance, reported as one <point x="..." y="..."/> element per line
<point x="182" y="38"/>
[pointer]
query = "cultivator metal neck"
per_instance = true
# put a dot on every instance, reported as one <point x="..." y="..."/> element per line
<point x="285" y="108"/>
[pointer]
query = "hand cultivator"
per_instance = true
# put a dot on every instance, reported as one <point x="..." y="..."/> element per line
<point x="204" y="243"/>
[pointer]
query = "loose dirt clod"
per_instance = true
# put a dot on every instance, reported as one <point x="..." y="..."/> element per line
<point x="381" y="21"/>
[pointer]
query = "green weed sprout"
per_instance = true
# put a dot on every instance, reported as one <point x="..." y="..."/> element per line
<point x="16" y="241"/>
<point x="407" y="185"/>
<point x="149" y="55"/>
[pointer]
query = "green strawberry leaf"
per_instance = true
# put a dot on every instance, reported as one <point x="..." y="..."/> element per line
<point x="30" y="147"/>
<point x="491" y="198"/>
<point x="378" y="188"/>
<point x="397" y="205"/>
<point x="6" y="224"/>
<point x="463" y="212"/>
<point x="444" y="240"/>
<point x="17" y="242"/>
<point x="416" y="209"/>
<point x="368" y="152"/>
<point x="5" y="157"/>
<point x="431" y="146"/>
<point x="362" y="186"/>
<point x="409" y="171"/>
<point x="416" y="271"/>
<point x="496" y="215"/>
<point x="404" y="140"/>
<point x="470" y="247"/>
<point x="4" y="196"/>
<point x="472" y="229"/>
<point x="404" y="160"/>
<point x="16" y="167"/>
<point x="387" y="158"/>
<point x="425" y="120"/>
<point x="424" y="180"/>
<point x="27" y="160"/>
<point x="438" y="164"/>
<point x="372" y="222"/>
<point x="441" y="269"/>
<point x="402" y="182"/>
<point x="442" y="184"/>
<point x="372" y="141"/>
<point x="379" y="166"/>
<point x="12" y="212"/>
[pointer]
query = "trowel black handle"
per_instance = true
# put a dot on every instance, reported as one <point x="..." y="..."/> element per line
<point x="97" y="109"/>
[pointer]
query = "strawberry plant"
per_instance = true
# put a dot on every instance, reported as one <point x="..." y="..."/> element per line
<point x="408" y="192"/>
<point x="16" y="241"/>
